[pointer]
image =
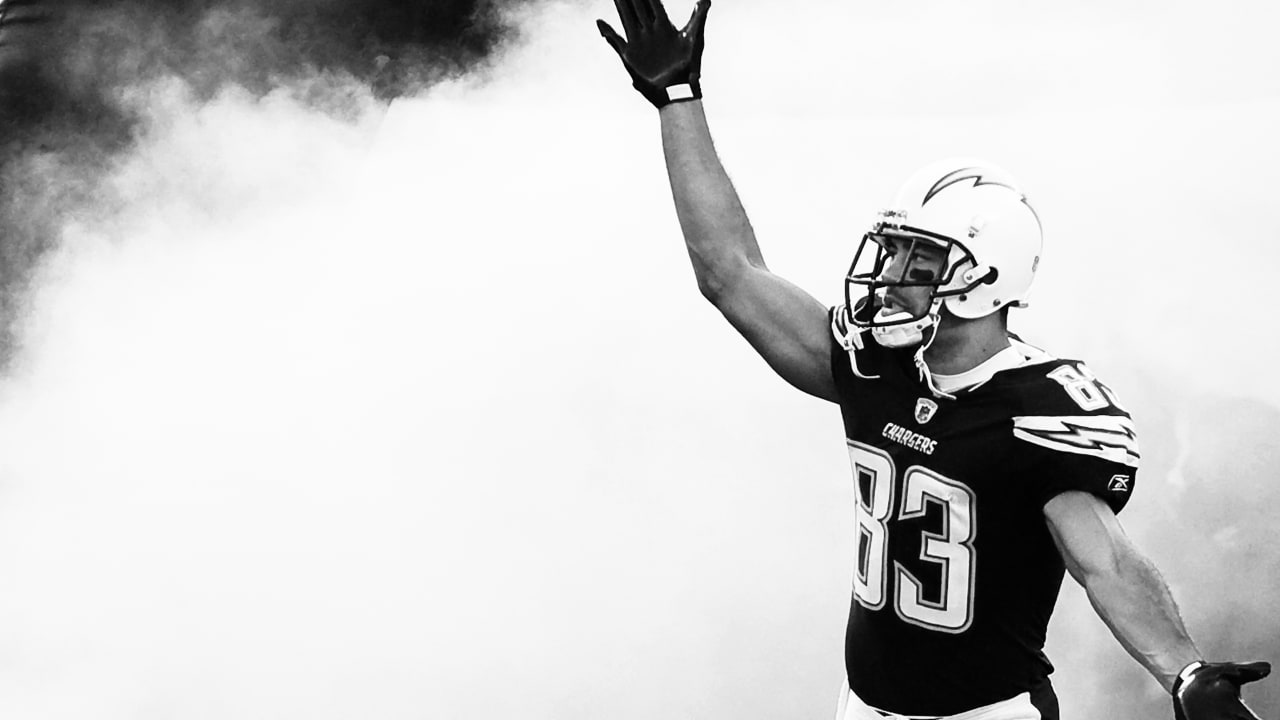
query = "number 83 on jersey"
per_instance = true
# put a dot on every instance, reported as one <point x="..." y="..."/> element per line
<point x="948" y="555"/>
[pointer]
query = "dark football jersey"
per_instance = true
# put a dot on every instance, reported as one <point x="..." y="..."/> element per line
<point x="956" y="573"/>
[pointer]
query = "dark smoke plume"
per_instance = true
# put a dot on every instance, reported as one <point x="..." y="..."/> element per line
<point x="65" y="67"/>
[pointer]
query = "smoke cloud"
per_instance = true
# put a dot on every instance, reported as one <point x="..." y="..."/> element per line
<point x="358" y="370"/>
<point x="77" y="79"/>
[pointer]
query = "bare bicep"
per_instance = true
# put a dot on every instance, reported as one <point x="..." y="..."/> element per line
<point x="787" y="326"/>
<point x="1087" y="533"/>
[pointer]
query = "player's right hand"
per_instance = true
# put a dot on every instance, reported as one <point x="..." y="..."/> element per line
<point x="664" y="64"/>
<point x="1212" y="691"/>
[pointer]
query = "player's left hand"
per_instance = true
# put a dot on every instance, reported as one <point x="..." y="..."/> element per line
<point x="1212" y="691"/>
<point x="665" y="64"/>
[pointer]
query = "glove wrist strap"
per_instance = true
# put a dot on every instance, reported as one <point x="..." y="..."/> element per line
<point x="1185" y="676"/>
<point x="679" y="92"/>
<point x="683" y="91"/>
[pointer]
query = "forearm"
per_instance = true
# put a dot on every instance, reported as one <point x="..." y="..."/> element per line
<point x="1135" y="603"/>
<point x="718" y="235"/>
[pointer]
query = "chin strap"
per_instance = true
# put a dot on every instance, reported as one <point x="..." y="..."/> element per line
<point x="903" y="335"/>
<point x="902" y="329"/>
<point x="902" y="332"/>
<point x="925" y="375"/>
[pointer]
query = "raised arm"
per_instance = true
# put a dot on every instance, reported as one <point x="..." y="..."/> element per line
<point x="786" y="325"/>
<point x="1133" y="600"/>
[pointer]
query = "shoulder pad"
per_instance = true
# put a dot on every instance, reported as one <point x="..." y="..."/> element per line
<point x="1065" y="407"/>
<point x="1065" y="387"/>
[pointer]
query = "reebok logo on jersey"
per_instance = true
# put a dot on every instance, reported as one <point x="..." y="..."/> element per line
<point x="913" y="440"/>
<point x="1119" y="483"/>
<point x="925" y="408"/>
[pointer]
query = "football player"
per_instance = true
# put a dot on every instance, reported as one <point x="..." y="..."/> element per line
<point x="983" y="467"/>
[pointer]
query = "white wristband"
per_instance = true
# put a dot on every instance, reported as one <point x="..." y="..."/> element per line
<point x="683" y="91"/>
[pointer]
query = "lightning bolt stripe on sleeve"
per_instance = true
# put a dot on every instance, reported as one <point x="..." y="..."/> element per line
<point x="1110" y="437"/>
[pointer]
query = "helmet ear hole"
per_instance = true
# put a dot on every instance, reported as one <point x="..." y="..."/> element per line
<point x="991" y="277"/>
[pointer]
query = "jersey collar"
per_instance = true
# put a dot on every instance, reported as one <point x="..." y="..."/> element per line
<point x="1007" y="359"/>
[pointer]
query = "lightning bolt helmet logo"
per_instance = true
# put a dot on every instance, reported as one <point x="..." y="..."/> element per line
<point x="978" y="175"/>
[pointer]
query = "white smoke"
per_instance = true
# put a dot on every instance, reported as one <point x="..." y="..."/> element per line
<point x="419" y="414"/>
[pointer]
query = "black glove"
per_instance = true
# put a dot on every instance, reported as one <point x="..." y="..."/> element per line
<point x="1211" y="691"/>
<point x="664" y="63"/>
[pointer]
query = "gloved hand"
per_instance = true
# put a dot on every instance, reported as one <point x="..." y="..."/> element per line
<point x="664" y="63"/>
<point x="1211" y="691"/>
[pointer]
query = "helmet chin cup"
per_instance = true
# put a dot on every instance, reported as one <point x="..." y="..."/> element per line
<point x="901" y="329"/>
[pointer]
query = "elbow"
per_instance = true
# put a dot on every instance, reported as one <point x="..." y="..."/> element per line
<point x="718" y="284"/>
<point x="712" y="287"/>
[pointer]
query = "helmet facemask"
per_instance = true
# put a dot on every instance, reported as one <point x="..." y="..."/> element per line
<point x="904" y="328"/>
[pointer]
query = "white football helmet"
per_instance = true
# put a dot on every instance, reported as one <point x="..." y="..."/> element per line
<point x="979" y="216"/>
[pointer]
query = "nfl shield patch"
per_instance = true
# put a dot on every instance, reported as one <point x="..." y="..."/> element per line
<point x="925" y="408"/>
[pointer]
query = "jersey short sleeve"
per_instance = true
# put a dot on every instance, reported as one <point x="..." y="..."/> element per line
<point x="1075" y="436"/>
